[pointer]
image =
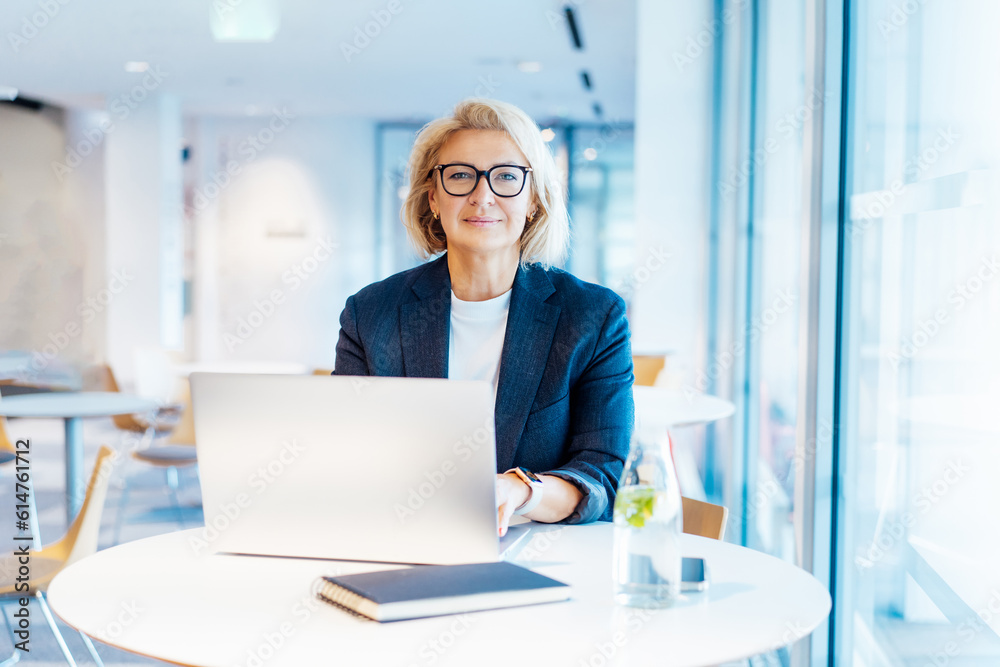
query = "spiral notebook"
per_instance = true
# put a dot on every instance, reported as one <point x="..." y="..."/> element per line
<point x="438" y="590"/>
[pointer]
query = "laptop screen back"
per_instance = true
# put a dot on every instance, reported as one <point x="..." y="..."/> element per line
<point x="376" y="469"/>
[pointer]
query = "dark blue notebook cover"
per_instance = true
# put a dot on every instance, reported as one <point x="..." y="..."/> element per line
<point x="423" y="582"/>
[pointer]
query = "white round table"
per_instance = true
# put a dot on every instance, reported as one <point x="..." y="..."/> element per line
<point x="72" y="407"/>
<point x="670" y="408"/>
<point x="161" y="597"/>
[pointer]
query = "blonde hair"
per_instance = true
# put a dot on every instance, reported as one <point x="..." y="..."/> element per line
<point x="546" y="236"/>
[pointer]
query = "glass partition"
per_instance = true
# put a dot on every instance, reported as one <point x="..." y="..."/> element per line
<point x="918" y="576"/>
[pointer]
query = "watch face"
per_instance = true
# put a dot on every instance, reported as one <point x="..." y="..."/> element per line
<point x="530" y="475"/>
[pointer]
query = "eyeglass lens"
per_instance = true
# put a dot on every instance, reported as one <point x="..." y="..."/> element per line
<point x="460" y="180"/>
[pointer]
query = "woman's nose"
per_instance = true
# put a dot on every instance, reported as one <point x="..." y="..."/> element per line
<point x="482" y="195"/>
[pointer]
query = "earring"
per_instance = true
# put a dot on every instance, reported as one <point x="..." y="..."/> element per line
<point x="435" y="214"/>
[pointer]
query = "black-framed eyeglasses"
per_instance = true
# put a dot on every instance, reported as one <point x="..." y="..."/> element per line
<point x="505" y="180"/>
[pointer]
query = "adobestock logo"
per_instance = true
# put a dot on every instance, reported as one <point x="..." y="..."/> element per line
<point x="655" y="260"/>
<point x="926" y="330"/>
<point x="226" y="514"/>
<point x="121" y="108"/>
<point x="966" y="631"/>
<point x="126" y="617"/>
<point x="266" y="307"/>
<point x="418" y="495"/>
<point x="890" y="536"/>
<point x="88" y="309"/>
<point x="754" y="329"/>
<point x="31" y="26"/>
<point x="434" y="648"/>
<point x="700" y="42"/>
<point x="871" y="206"/>
<point x="363" y="35"/>
<point x="248" y="149"/>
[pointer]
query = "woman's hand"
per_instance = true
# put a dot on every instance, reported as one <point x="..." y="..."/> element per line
<point x="558" y="502"/>
<point x="511" y="494"/>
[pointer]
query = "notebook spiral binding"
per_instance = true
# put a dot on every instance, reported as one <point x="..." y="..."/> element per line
<point x="340" y="597"/>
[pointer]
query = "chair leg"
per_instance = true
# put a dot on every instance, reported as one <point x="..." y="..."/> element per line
<point x="52" y="624"/>
<point x="92" y="649"/>
<point x="16" y="655"/>
<point x="120" y="514"/>
<point x="173" y="483"/>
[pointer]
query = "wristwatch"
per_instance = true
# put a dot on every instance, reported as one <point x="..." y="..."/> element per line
<point x="534" y="485"/>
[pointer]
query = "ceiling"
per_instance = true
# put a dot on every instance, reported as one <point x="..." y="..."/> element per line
<point x="428" y="55"/>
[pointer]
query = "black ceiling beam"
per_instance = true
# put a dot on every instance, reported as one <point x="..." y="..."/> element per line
<point x="574" y="30"/>
<point x="25" y="102"/>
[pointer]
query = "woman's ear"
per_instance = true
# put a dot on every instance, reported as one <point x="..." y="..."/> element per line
<point x="431" y="200"/>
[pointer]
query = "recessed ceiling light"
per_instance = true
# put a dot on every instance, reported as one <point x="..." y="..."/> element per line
<point x="590" y="154"/>
<point x="245" y="20"/>
<point x="548" y="134"/>
<point x="529" y="66"/>
<point x="136" y="66"/>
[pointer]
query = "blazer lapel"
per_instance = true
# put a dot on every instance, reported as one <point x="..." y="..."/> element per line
<point x="424" y="324"/>
<point x="531" y="325"/>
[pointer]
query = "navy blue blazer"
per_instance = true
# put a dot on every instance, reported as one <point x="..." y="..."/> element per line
<point x="564" y="401"/>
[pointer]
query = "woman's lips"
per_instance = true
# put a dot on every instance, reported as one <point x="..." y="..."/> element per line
<point x="481" y="222"/>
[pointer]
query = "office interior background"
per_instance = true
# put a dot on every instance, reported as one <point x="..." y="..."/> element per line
<point x="798" y="200"/>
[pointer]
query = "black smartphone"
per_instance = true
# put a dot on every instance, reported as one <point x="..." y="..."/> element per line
<point x="693" y="574"/>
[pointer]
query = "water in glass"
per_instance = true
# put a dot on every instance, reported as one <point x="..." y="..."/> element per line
<point x="648" y="524"/>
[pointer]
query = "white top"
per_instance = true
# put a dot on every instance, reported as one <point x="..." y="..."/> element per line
<point x="476" y="340"/>
<point x="142" y="596"/>
<point x="68" y="404"/>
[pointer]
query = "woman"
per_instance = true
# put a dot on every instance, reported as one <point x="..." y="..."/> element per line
<point x="484" y="190"/>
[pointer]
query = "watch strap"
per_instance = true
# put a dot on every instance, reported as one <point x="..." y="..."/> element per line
<point x="535" y="486"/>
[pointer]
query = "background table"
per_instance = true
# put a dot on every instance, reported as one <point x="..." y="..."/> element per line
<point x="72" y="407"/>
<point x="670" y="408"/>
<point x="255" y="367"/>
<point x="666" y="409"/>
<point x="163" y="598"/>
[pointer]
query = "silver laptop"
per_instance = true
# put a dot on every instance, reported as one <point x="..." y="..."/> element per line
<point x="395" y="470"/>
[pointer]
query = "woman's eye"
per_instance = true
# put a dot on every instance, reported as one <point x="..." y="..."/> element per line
<point x="458" y="176"/>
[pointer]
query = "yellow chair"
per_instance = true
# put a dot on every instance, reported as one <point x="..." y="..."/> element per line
<point x="646" y="368"/>
<point x="178" y="453"/>
<point x="704" y="519"/>
<point x="322" y="371"/>
<point x="180" y="450"/>
<point x="102" y="378"/>
<point x="7" y="451"/>
<point x="79" y="542"/>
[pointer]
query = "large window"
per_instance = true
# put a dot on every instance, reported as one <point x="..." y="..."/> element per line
<point x="919" y="582"/>
<point x="775" y="204"/>
<point x="903" y="306"/>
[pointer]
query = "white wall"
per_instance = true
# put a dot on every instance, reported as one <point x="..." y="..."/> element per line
<point x="296" y="190"/>
<point x="46" y="252"/>
<point x="270" y="194"/>
<point x="143" y="224"/>
<point x="672" y="141"/>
